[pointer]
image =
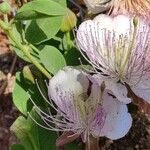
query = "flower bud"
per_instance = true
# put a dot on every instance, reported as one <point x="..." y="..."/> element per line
<point x="135" y="21"/>
<point x="4" y="7"/>
<point x="69" y="21"/>
<point x="98" y="6"/>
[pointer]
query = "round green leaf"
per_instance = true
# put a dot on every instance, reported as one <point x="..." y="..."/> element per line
<point x="20" y="95"/>
<point x="39" y="9"/>
<point x="52" y="59"/>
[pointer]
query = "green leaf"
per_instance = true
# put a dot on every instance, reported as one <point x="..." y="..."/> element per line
<point x="22" y="129"/>
<point x="17" y="147"/>
<point x="39" y="9"/>
<point x="25" y="88"/>
<point x="74" y="58"/>
<point x="33" y="33"/>
<point x="46" y="139"/>
<point x="19" y="34"/>
<point x="61" y="2"/>
<point x="52" y="59"/>
<point x="32" y="136"/>
<point x="50" y="26"/>
<point x="20" y="95"/>
<point x="43" y="29"/>
<point x="23" y="56"/>
<point x="73" y="146"/>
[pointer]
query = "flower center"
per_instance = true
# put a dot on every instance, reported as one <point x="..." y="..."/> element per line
<point x="115" y="58"/>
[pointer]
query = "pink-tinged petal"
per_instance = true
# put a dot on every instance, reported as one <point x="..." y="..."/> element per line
<point x="90" y="37"/>
<point x="118" y="127"/>
<point x="142" y="87"/>
<point x="112" y="106"/>
<point x="117" y="89"/>
<point x="142" y="93"/>
<point x="65" y="88"/>
<point x="98" y="121"/>
<point x="118" y="121"/>
<point x="86" y="38"/>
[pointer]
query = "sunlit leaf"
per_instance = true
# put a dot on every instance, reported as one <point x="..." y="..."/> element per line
<point x="39" y="9"/>
<point x="52" y="59"/>
<point x="20" y="95"/>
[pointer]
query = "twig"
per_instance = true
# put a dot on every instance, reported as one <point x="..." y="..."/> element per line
<point x="9" y="75"/>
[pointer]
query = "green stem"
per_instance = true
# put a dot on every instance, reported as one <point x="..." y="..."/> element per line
<point x="68" y="40"/>
<point x="34" y="48"/>
<point x="6" y="18"/>
<point x="5" y="26"/>
<point x="27" y="53"/>
<point x="32" y="141"/>
<point x="24" y="49"/>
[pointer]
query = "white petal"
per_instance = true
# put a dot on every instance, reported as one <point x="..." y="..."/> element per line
<point x="98" y="123"/>
<point x="118" y="120"/>
<point x="104" y="22"/>
<point x="112" y="106"/>
<point x="142" y="93"/>
<point x="90" y="37"/>
<point x="122" y="25"/>
<point x="66" y="87"/>
<point x="119" y="91"/>
<point x="116" y="89"/>
<point x="117" y="127"/>
<point x="142" y="88"/>
<point x="86" y="38"/>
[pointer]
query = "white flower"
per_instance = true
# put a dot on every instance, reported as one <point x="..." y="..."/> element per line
<point x="97" y="6"/>
<point x="119" y="50"/>
<point x="84" y="108"/>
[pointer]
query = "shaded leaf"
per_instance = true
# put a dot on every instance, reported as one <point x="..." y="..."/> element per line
<point x="74" y="58"/>
<point x="46" y="139"/>
<point x="50" y="26"/>
<point x="22" y="130"/>
<point x="43" y="29"/>
<point x="17" y="147"/>
<point x="62" y="2"/>
<point x="20" y="95"/>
